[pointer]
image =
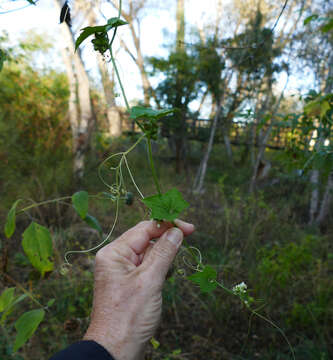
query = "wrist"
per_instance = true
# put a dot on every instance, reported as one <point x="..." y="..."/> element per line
<point x="119" y="348"/>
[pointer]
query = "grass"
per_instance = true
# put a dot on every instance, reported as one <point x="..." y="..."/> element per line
<point x="262" y="239"/>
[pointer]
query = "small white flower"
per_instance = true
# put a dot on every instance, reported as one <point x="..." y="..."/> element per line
<point x="240" y="288"/>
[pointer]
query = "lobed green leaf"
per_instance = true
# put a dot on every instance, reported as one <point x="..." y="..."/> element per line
<point x="166" y="206"/>
<point x="37" y="245"/>
<point x="206" y="279"/>
<point x="80" y="202"/>
<point x="26" y="326"/>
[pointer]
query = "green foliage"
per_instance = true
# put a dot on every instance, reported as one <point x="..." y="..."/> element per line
<point x="26" y="326"/>
<point x="93" y="223"/>
<point x="101" y="40"/>
<point x="11" y="220"/>
<point x="35" y="146"/>
<point x="282" y="264"/>
<point x="205" y="278"/>
<point x="147" y="118"/>
<point x="37" y="244"/>
<point x="8" y="300"/>
<point x="80" y="202"/>
<point x="2" y="59"/>
<point x="166" y="206"/>
<point x="253" y="51"/>
<point x="310" y="18"/>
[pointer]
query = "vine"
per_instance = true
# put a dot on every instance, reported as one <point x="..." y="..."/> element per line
<point x="37" y="242"/>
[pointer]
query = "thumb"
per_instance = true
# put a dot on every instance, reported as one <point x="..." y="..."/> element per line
<point x="164" y="251"/>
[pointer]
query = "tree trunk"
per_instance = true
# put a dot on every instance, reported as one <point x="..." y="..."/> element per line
<point x="314" y="181"/>
<point x="180" y="19"/>
<point x="112" y="113"/>
<point x="200" y="177"/>
<point x="132" y="15"/>
<point x="81" y="125"/>
<point x="326" y="202"/>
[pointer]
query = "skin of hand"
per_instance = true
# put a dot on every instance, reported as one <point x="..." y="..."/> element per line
<point x="129" y="276"/>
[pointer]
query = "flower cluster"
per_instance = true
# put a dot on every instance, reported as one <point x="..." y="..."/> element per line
<point x="239" y="289"/>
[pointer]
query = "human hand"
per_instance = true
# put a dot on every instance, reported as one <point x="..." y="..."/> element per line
<point x="129" y="276"/>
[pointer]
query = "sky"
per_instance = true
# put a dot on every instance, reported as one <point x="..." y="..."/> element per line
<point x="44" y="19"/>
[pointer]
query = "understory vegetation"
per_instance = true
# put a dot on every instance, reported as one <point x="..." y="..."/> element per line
<point x="262" y="239"/>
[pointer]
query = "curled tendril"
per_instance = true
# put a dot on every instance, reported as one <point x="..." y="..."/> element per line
<point x="198" y="258"/>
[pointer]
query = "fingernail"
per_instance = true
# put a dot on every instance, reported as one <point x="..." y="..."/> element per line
<point x="175" y="236"/>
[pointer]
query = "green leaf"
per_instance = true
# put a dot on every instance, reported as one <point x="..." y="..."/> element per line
<point x="11" y="306"/>
<point x="206" y="279"/>
<point x="325" y="106"/>
<point x="26" y="325"/>
<point x="155" y="343"/>
<point x="310" y="18"/>
<point x="115" y="22"/>
<point x="93" y="222"/>
<point x="50" y="302"/>
<point x="37" y="245"/>
<point x="11" y="220"/>
<point x="7" y="298"/>
<point x="80" y="202"/>
<point x="166" y="206"/>
<point x="139" y="112"/>
<point x="327" y="27"/>
<point x="86" y="32"/>
<point x="90" y="30"/>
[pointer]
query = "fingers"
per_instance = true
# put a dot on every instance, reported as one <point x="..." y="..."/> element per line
<point x="138" y="237"/>
<point x="185" y="227"/>
<point x="163" y="253"/>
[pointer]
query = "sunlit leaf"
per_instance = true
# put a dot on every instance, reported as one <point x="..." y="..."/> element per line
<point x="80" y="202"/>
<point x="93" y="223"/>
<point x="206" y="279"/>
<point x="37" y="245"/>
<point x="139" y="112"/>
<point x="11" y="220"/>
<point x="155" y="343"/>
<point x="166" y="206"/>
<point x="26" y="325"/>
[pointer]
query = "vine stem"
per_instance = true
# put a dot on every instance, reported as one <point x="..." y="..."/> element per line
<point x="254" y="312"/>
<point x="23" y="289"/>
<point x="152" y="166"/>
<point x="119" y="80"/>
<point x="44" y="203"/>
